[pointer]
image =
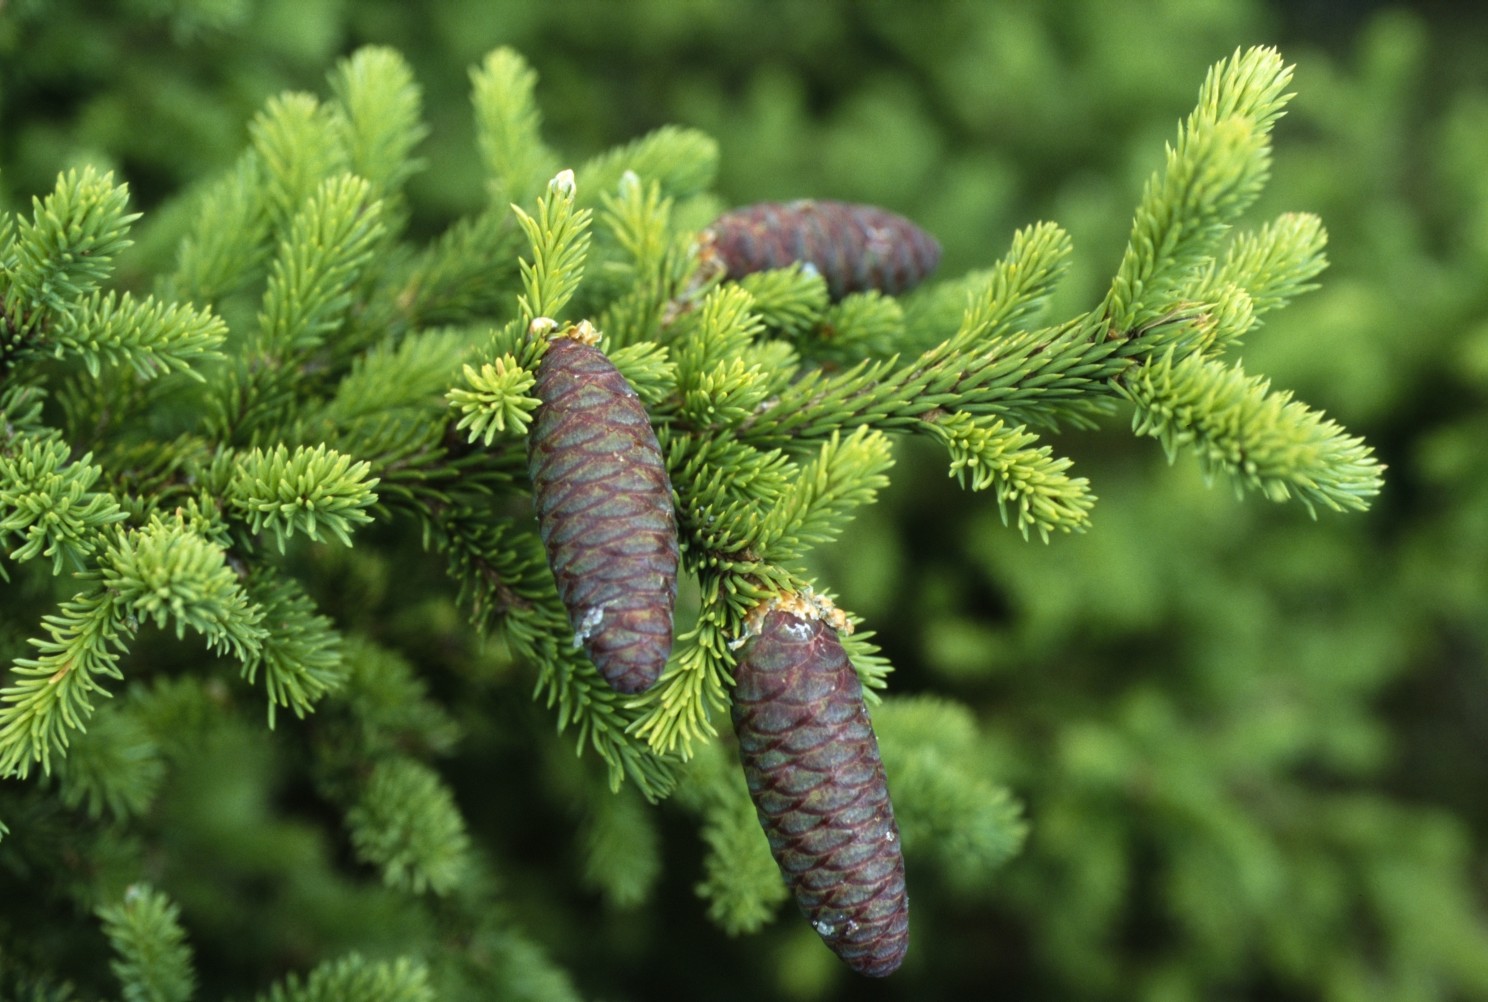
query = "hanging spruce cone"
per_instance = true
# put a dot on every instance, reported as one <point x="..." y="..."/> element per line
<point x="604" y="509"/>
<point x="818" y="784"/>
<point x="854" y="247"/>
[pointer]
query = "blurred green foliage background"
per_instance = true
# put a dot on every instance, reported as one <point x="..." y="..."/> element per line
<point x="1252" y="748"/>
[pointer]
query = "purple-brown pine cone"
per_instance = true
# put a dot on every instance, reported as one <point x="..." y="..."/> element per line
<point x="818" y="784"/>
<point x="854" y="247"/>
<point x="604" y="509"/>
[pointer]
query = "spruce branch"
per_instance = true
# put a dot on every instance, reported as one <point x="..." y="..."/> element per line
<point x="683" y="162"/>
<point x="846" y="474"/>
<point x="20" y="414"/>
<point x="519" y="340"/>
<point x="329" y="241"/>
<point x="648" y="368"/>
<point x="301" y="656"/>
<point x="945" y="798"/>
<point x="153" y="962"/>
<point x="508" y="128"/>
<point x="52" y="695"/>
<point x="727" y="393"/>
<point x="976" y="391"/>
<point x="228" y="242"/>
<point x="378" y="116"/>
<point x="1260" y="439"/>
<point x="638" y="219"/>
<point x="297" y="142"/>
<point x="287" y="491"/>
<point x="772" y="404"/>
<point x="1032" y="483"/>
<point x="724" y="375"/>
<point x="723" y="487"/>
<point x="1014" y="291"/>
<point x="423" y="468"/>
<point x="319" y="259"/>
<point x="1260" y="271"/>
<point x="871" y="666"/>
<point x="559" y="235"/>
<point x="1213" y="173"/>
<point x="408" y="375"/>
<point x="465" y="272"/>
<point x="403" y="979"/>
<point x="861" y="325"/>
<point x="169" y="572"/>
<point x="989" y="365"/>
<point x="635" y="315"/>
<point x="386" y="708"/>
<point x="601" y="718"/>
<point x="712" y="339"/>
<point x="114" y="767"/>
<point x="1276" y="263"/>
<point x="792" y="300"/>
<point x="622" y="847"/>
<point x="640" y="264"/>
<point x="742" y="403"/>
<point x="7" y="238"/>
<point x="678" y="710"/>
<point x="417" y="469"/>
<point x="407" y="824"/>
<point x="62" y="253"/>
<point x="497" y="401"/>
<point x="505" y="579"/>
<point x="48" y="506"/>
<point x="492" y="559"/>
<point x="741" y="882"/>
<point x="152" y="337"/>
<point x="1037" y="377"/>
<point x="390" y="409"/>
<point x="1227" y="314"/>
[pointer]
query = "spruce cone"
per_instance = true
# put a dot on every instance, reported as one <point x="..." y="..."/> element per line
<point x="818" y="784"/>
<point x="604" y="508"/>
<point x="855" y="247"/>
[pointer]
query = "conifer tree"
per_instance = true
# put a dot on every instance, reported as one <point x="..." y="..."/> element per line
<point x="310" y="384"/>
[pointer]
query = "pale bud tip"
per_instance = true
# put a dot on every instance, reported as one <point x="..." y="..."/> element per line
<point x="584" y="332"/>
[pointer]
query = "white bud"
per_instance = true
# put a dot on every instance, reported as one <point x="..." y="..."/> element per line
<point x="562" y="183"/>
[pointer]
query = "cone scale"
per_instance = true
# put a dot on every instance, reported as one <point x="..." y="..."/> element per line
<point x="604" y="510"/>
<point x="813" y="768"/>
<point x="855" y="247"/>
